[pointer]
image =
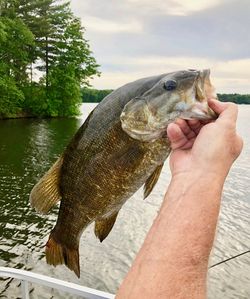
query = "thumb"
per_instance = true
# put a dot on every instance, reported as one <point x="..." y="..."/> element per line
<point x="226" y="109"/>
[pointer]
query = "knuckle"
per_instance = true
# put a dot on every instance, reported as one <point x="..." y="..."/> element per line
<point x="236" y="147"/>
<point x="241" y="143"/>
<point x="233" y="106"/>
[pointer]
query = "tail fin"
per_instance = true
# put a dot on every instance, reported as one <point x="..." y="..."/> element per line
<point x="57" y="254"/>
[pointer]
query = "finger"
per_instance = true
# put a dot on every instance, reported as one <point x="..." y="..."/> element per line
<point x="195" y="125"/>
<point x="227" y="110"/>
<point x="217" y="106"/>
<point x="176" y="136"/>
<point x="184" y="126"/>
<point x="189" y="144"/>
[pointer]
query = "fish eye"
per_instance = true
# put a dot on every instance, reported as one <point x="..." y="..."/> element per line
<point x="170" y="85"/>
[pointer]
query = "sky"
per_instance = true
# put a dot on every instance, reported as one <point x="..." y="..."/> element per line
<point x="132" y="39"/>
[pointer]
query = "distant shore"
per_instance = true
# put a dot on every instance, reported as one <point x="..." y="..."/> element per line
<point x="89" y="95"/>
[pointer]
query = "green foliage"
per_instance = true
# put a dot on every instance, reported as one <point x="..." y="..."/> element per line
<point x="3" y="34"/>
<point x="14" y="49"/>
<point x="64" y="92"/>
<point x="235" y="98"/>
<point x="15" y="39"/>
<point x="90" y="95"/>
<point x="75" y="52"/>
<point x="35" y="103"/>
<point x="43" y="35"/>
<point x="11" y="97"/>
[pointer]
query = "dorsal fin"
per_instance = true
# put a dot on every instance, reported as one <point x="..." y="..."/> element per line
<point x="45" y="194"/>
<point x="152" y="180"/>
<point x="104" y="226"/>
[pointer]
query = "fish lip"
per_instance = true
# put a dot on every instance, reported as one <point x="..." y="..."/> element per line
<point x="197" y="116"/>
<point x="199" y="111"/>
<point x="203" y="85"/>
<point x="203" y="91"/>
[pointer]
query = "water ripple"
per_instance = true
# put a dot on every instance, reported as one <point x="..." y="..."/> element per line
<point x="27" y="149"/>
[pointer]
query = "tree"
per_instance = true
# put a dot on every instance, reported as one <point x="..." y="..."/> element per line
<point x="94" y="95"/>
<point x="43" y="34"/>
<point x="64" y="92"/>
<point x="235" y="98"/>
<point x="73" y="67"/>
<point x="15" y="38"/>
<point x="11" y="97"/>
<point x="54" y="19"/>
<point x="64" y="56"/>
<point x="15" y="48"/>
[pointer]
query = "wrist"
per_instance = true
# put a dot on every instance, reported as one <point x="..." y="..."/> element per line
<point x="190" y="212"/>
<point x="200" y="176"/>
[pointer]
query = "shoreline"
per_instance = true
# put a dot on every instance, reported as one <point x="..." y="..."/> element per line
<point x="26" y="115"/>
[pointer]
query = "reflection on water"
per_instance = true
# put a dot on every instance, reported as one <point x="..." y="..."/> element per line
<point x="27" y="149"/>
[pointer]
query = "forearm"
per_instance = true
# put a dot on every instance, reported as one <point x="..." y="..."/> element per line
<point x="172" y="262"/>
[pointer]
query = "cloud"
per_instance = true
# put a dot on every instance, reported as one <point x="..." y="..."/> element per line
<point x="174" y="7"/>
<point x="122" y="9"/>
<point x="219" y="31"/>
<point x="107" y="26"/>
<point x="227" y="76"/>
<point x="134" y="38"/>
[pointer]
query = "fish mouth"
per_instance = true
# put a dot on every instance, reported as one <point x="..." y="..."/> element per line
<point x="203" y="90"/>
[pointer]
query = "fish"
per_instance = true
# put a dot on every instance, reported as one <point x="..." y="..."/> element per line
<point x="120" y="147"/>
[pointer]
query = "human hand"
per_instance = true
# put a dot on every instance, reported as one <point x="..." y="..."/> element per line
<point x="208" y="147"/>
<point x="177" y="247"/>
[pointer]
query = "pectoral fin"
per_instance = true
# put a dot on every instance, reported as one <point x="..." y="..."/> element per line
<point x="45" y="194"/>
<point x="152" y="180"/>
<point x="104" y="226"/>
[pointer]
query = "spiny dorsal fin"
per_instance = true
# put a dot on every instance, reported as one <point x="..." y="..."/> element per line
<point x="104" y="226"/>
<point x="45" y="194"/>
<point x="152" y="180"/>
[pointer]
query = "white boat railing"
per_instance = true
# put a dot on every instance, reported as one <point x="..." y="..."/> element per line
<point x="27" y="277"/>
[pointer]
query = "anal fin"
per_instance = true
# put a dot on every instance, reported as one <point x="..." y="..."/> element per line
<point x="152" y="180"/>
<point x="104" y="226"/>
<point x="45" y="194"/>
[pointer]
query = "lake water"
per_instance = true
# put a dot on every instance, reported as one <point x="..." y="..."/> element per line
<point x="27" y="149"/>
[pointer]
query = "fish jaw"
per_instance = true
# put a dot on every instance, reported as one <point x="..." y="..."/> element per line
<point x="199" y="111"/>
<point x="204" y="90"/>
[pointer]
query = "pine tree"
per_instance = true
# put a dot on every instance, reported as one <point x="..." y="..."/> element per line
<point x="73" y="67"/>
<point x="15" y="39"/>
<point x="63" y="55"/>
<point x="44" y="34"/>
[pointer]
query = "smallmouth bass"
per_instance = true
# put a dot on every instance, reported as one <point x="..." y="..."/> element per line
<point x="121" y="146"/>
